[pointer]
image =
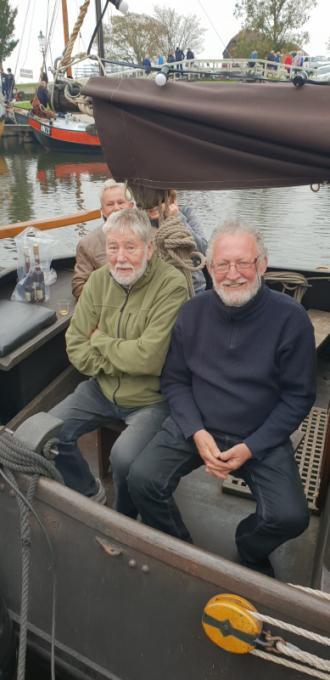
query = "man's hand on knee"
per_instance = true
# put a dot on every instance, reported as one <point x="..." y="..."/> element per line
<point x="211" y="454"/>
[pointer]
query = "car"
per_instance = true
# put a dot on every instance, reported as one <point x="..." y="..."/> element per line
<point x="315" y="62"/>
<point x="322" y="72"/>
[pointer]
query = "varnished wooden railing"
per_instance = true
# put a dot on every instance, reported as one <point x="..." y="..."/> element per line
<point x="10" y="230"/>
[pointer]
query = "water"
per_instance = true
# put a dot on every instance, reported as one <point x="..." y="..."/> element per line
<point x="36" y="184"/>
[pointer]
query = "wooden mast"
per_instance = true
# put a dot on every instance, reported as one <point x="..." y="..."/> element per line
<point x="66" y="30"/>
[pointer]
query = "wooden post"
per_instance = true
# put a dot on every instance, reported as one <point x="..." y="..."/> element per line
<point x="66" y="30"/>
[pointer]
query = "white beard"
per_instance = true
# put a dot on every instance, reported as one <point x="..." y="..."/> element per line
<point x="235" y="297"/>
<point x="132" y="275"/>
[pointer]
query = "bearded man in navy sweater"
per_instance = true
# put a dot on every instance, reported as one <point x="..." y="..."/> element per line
<point x="239" y="378"/>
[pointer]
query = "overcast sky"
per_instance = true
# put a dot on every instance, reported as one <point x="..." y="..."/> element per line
<point x="215" y="16"/>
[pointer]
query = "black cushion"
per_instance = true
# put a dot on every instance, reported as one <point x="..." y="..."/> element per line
<point x="21" y="321"/>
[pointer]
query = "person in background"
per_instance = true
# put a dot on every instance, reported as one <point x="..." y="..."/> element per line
<point x="41" y="102"/>
<point x="91" y="250"/>
<point x="118" y="337"/>
<point x="170" y="58"/>
<point x="43" y="94"/>
<point x="253" y="56"/>
<point x="161" y="204"/>
<point x="147" y="64"/>
<point x="271" y="59"/>
<point x="9" y="85"/>
<point x="179" y="56"/>
<point x="160" y="60"/>
<point x="239" y="378"/>
<point x="190" y="54"/>
<point x="288" y="62"/>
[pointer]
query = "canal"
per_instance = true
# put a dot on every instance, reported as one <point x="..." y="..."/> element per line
<point x="35" y="184"/>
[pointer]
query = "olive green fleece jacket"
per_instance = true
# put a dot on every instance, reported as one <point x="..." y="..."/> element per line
<point x="128" y="350"/>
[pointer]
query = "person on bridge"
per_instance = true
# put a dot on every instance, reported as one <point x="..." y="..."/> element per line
<point x="239" y="378"/>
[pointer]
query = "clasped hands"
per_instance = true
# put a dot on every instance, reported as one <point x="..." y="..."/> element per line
<point x="220" y="463"/>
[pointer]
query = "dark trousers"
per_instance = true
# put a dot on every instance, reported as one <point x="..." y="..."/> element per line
<point x="281" y="512"/>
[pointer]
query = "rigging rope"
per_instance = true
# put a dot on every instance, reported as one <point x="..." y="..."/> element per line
<point x="290" y="664"/>
<point x="177" y="246"/>
<point x="28" y="9"/>
<point x="321" y="666"/>
<point x="321" y="639"/>
<point x="15" y="456"/>
<point x="68" y="50"/>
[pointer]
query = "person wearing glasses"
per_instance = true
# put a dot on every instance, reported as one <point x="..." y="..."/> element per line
<point x="239" y="378"/>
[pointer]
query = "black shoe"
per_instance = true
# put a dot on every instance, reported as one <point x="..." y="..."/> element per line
<point x="263" y="567"/>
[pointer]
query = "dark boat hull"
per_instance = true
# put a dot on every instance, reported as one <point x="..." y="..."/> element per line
<point x="130" y="600"/>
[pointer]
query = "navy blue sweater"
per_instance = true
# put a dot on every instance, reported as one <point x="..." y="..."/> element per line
<point x="247" y="371"/>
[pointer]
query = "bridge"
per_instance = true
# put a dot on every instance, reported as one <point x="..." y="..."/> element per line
<point x="197" y="69"/>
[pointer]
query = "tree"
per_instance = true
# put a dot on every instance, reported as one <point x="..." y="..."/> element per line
<point x="280" y="21"/>
<point x="131" y="37"/>
<point x="7" y="26"/>
<point x="179" y="30"/>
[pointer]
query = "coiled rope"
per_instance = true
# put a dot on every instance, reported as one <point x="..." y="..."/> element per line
<point x="15" y="456"/>
<point x="177" y="246"/>
<point x="291" y="282"/>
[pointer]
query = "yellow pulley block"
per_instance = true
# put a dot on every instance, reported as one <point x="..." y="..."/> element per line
<point x="229" y="622"/>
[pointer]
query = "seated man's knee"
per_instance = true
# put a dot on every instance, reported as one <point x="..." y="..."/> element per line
<point x="119" y="460"/>
<point x="141" y="481"/>
<point x="293" y="521"/>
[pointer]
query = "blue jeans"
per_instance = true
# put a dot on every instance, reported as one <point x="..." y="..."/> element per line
<point x="84" y="411"/>
<point x="281" y="511"/>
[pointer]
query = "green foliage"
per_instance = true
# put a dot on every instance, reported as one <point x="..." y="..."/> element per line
<point x="246" y="41"/>
<point x="280" y="21"/>
<point x="7" y="26"/>
<point x="131" y="37"/>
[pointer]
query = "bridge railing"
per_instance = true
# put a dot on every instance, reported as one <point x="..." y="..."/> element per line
<point x="203" y="68"/>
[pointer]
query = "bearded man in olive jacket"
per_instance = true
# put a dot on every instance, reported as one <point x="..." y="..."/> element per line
<point x="119" y="336"/>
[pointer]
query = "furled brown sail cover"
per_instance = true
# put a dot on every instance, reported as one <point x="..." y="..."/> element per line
<point x="215" y="135"/>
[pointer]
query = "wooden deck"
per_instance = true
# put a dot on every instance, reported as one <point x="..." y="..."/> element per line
<point x="321" y="323"/>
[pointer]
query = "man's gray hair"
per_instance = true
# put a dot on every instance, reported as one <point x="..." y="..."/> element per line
<point x="235" y="227"/>
<point x="112" y="184"/>
<point x="130" y="218"/>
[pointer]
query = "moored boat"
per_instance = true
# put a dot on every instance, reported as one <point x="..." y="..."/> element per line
<point x="130" y="600"/>
<point x="72" y="132"/>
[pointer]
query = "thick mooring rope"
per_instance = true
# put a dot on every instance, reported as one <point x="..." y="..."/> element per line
<point x="68" y="50"/>
<point x="321" y="639"/>
<point x="317" y="666"/>
<point x="177" y="246"/>
<point x="290" y="664"/>
<point x="291" y="282"/>
<point x="17" y="457"/>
